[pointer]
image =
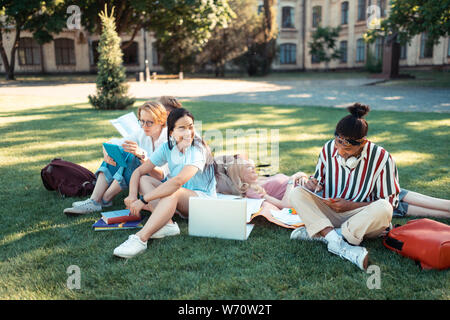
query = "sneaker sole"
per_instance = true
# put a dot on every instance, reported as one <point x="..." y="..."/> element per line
<point x="75" y="214"/>
<point x="308" y="238"/>
<point x="126" y="256"/>
<point x="365" y="263"/>
<point x="166" y="235"/>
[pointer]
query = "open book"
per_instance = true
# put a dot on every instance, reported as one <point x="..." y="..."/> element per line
<point x="127" y="125"/>
<point x="314" y="194"/>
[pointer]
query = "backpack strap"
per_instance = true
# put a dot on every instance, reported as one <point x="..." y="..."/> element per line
<point x="394" y="243"/>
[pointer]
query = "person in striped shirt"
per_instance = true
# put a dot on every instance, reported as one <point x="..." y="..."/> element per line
<point x="358" y="188"/>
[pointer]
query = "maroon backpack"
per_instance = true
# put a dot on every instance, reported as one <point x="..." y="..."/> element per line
<point x="70" y="179"/>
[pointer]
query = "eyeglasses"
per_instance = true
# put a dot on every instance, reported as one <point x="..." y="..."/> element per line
<point x="144" y="123"/>
<point x="347" y="142"/>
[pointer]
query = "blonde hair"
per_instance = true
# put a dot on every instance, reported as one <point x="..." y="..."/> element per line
<point x="235" y="172"/>
<point x="156" y="109"/>
<point x="170" y="103"/>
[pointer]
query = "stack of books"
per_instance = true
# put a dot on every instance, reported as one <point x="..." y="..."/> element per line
<point x="115" y="220"/>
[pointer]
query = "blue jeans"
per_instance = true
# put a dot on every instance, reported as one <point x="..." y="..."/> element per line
<point x="121" y="174"/>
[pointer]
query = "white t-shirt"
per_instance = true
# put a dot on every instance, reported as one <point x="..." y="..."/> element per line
<point x="145" y="142"/>
<point x="203" y="181"/>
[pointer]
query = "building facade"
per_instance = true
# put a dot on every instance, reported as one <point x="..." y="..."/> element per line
<point x="298" y="19"/>
<point x="74" y="51"/>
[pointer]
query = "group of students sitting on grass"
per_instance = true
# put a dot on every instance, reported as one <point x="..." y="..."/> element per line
<point x="171" y="163"/>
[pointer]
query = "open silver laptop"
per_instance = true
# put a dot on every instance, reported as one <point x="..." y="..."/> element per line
<point x="219" y="218"/>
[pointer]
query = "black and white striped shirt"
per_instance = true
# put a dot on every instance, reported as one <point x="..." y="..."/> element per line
<point x="375" y="176"/>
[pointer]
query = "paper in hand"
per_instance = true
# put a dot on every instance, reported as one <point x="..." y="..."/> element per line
<point x="127" y="125"/>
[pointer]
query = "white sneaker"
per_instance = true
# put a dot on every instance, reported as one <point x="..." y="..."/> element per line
<point x="170" y="229"/>
<point x="302" y="234"/>
<point x="130" y="248"/>
<point x="80" y="203"/>
<point x="85" y="208"/>
<point x="356" y="254"/>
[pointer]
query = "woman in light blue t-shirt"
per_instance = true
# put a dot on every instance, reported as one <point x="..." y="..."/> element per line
<point x="192" y="174"/>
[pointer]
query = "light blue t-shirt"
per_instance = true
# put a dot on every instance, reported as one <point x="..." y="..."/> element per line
<point x="204" y="181"/>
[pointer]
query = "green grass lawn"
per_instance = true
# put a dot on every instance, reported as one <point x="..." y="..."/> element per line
<point x="38" y="242"/>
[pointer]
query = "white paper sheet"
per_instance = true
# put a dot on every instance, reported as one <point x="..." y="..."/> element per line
<point x="253" y="206"/>
<point x="127" y="125"/>
<point x="286" y="216"/>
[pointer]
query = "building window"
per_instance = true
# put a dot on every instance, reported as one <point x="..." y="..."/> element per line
<point x="130" y="54"/>
<point x="403" y="51"/>
<point x="426" y="50"/>
<point x="29" y="52"/>
<point x="360" y="50"/>
<point x="95" y="53"/>
<point x="64" y="51"/>
<point x="288" y="53"/>
<point x="287" y="19"/>
<point x="155" y="55"/>
<point x="379" y="44"/>
<point x="316" y="16"/>
<point x="382" y="4"/>
<point x="343" y="50"/>
<point x="361" y="10"/>
<point x="344" y="12"/>
<point x="315" y="59"/>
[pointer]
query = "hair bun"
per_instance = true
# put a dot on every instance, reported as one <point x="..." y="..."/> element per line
<point x="359" y="110"/>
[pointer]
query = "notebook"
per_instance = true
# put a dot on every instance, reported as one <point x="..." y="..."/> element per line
<point x="101" y="225"/>
<point x="115" y="152"/>
<point x="219" y="218"/>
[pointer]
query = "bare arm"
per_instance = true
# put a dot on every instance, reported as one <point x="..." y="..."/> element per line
<point x="166" y="189"/>
<point x="143" y="169"/>
<point x="172" y="185"/>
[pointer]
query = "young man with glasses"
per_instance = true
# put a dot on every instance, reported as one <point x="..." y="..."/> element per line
<point x="359" y="183"/>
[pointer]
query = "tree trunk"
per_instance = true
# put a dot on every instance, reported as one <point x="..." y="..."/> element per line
<point x="10" y="75"/>
<point x="4" y="55"/>
<point x="391" y="58"/>
<point x="269" y="30"/>
<point x="10" y="65"/>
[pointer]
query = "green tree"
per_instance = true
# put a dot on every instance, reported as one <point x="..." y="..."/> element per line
<point x="184" y="26"/>
<point x="42" y="18"/>
<point x="261" y="43"/>
<point x="231" y="41"/>
<point x="408" y="18"/>
<point x="130" y="15"/>
<point x="323" y="45"/>
<point x="111" y="86"/>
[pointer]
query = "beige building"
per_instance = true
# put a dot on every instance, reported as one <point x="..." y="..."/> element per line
<point x="297" y="20"/>
<point x="73" y="51"/>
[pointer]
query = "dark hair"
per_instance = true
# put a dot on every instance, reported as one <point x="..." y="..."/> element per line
<point x="170" y="103"/>
<point x="211" y="165"/>
<point x="354" y="125"/>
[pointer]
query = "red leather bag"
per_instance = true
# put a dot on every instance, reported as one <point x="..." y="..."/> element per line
<point x="423" y="240"/>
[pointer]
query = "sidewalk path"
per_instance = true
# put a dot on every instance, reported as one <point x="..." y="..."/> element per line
<point x="336" y="93"/>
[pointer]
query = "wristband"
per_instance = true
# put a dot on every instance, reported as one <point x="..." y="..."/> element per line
<point x="141" y="197"/>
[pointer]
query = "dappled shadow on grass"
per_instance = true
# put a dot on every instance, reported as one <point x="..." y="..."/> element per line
<point x="36" y="234"/>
